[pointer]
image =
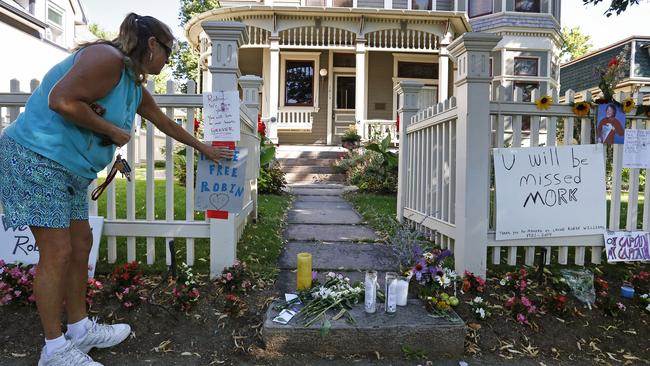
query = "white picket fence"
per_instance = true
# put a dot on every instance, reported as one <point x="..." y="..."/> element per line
<point x="223" y="234"/>
<point x="445" y="186"/>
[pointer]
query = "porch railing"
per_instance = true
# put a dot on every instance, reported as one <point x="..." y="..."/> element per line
<point x="294" y="120"/>
<point x="378" y="129"/>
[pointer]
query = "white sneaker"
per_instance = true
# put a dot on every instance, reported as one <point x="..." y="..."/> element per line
<point x="68" y="355"/>
<point x="102" y="336"/>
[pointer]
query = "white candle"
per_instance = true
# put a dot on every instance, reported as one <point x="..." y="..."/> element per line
<point x="402" y="292"/>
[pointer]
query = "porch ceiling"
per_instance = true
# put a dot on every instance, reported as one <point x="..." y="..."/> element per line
<point x="458" y="22"/>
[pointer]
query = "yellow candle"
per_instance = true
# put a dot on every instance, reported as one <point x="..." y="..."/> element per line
<point x="304" y="271"/>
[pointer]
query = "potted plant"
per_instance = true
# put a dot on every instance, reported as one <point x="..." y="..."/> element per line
<point x="350" y="139"/>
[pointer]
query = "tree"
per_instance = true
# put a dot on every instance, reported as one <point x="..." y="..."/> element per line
<point x="185" y="59"/>
<point x="100" y="32"/>
<point x="617" y="6"/>
<point x="575" y="44"/>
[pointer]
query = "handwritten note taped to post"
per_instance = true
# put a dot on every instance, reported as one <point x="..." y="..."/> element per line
<point x="549" y="191"/>
<point x="636" y="149"/>
<point x="627" y="246"/>
<point x="221" y="186"/>
<point x="221" y="116"/>
<point x="17" y="245"/>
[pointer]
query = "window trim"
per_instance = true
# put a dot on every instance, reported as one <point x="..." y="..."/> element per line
<point x="50" y="24"/>
<point x="482" y="14"/>
<point x="529" y="82"/>
<point x="514" y="62"/>
<point x="336" y="91"/>
<point x="299" y="56"/>
<point x="538" y="11"/>
<point x="406" y="57"/>
<point x="410" y="6"/>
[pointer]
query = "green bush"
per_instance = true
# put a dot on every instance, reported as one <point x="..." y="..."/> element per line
<point x="368" y="171"/>
<point x="271" y="180"/>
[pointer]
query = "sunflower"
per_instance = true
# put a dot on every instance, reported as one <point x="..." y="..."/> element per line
<point x="628" y="104"/>
<point x="544" y="102"/>
<point x="582" y="109"/>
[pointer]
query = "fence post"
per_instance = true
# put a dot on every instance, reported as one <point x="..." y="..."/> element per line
<point x="226" y="37"/>
<point x="471" y="53"/>
<point x="251" y="85"/>
<point x="408" y="95"/>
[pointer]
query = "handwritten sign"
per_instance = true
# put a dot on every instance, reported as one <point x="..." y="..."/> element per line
<point x="221" y="116"/>
<point x="19" y="246"/>
<point x="549" y="191"/>
<point x="220" y="186"/>
<point x="636" y="149"/>
<point x="626" y="246"/>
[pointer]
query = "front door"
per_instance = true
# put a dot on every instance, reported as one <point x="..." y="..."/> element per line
<point x="344" y="102"/>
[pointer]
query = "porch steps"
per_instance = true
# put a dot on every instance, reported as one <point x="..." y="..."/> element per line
<point x="310" y="163"/>
<point x="322" y="223"/>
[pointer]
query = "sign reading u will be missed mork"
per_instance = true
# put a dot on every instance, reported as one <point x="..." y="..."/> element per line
<point x="221" y="186"/>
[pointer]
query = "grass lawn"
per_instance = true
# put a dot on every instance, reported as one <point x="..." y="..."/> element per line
<point x="377" y="210"/>
<point x="259" y="246"/>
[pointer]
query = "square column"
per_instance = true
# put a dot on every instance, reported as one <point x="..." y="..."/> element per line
<point x="361" y="81"/>
<point x="274" y="89"/>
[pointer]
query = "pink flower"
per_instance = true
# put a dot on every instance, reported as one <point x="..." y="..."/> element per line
<point x="128" y="304"/>
<point x="228" y="276"/>
<point x="17" y="293"/>
<point x="525" y="301"/>
<point x="2" y="263"/>
<point x="621" y="306"/>
<point x="6" y="299"/>
<point x="31" y="298"/>
<point x="522" y="285"/>
<point x="480" y="280"/>
<point x="510" y="302"/>
<point x="521" y="318"/>
<point x="532" y="309"/>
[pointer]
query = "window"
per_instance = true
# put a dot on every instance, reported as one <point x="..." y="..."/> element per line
<point x="421" y="5"/>
<point x="417" y="70"/>
<point x="55" y="31"/>
<point x="491" y="67"/>
<point x="530" y="6"/>
<point x="299" y="83"/>
<point x="525" y="66"/>
<point x="527" y="88"/>
<point x="343" y="3"/>
<point x="345" y="92"/>
<point x="315" y="3"/>
<point x="476" y="8"/>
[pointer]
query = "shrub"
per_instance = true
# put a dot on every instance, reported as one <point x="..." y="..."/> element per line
<point x="369" y="172"/>
<point x="271" y="179"/>
<point x="185" y="292"/>
<point x="16" y="283"/>
<point x="236" y="279"/>
<point x="127" y="283"/>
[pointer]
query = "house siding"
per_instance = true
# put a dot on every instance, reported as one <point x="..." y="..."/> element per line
<point x="370" y="3"/>
<point x="380" y="85"/>
<point x="400" y="4"/>
<point x="480" y="24"/>
<point x="318" y="134"/>
<point x="580" y="75"/>
<point x="444" y="5"/>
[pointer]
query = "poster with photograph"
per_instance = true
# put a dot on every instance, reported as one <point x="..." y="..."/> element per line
<point x="611" y="124"/>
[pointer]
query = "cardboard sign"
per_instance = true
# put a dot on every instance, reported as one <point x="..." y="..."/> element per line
<point x="550" y="191"/>
<point x="636" y="149"/>
<point x="221" y="116"/>
<point x="221" y="186"/>
<point x="18" y="245"/>
<point x="627" y="246"/>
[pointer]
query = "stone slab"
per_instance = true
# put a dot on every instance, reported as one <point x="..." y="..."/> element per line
<point x="337" y="199"/>
<point x="336" y="256"/>
<point x="317" y="191"/>
<point x="326" y="205"/>
<point x="321" y="185"/>
<point x="323" y="216"/>
<point x="411" y="326"/>
<point x="313" y="232"/>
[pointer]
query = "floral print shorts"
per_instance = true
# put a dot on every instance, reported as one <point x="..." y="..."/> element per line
<point x="37" y="191"/>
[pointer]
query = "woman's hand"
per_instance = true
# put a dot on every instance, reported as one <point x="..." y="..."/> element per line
<point x="216" y="153"/>
<point x="119" y="137"/>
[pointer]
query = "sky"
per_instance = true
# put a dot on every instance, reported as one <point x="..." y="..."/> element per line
<point x="591" y="20"/>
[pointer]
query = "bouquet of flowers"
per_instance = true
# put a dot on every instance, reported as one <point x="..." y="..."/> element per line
<point x="335" y="294"/>
<point x="480" y="308"/>
<point x="185" y="291"/>
<point x="429" y="270"/>
<point x="236" y="279"/>
<point x="617" y="69"/>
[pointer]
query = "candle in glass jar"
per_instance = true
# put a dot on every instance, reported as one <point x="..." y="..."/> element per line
<point x="304" y="271"/>
<point x="402" y="290"/>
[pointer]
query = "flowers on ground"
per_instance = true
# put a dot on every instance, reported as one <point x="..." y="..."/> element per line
<point x="94" y="287"/>
<point x="236" y="279"/>
<point x="516" y="281"/>
<point x="473" y="283"/>
<point x="428" y="268"/>
<point x="480" y="308"/>
<point x="16" y="283"/>
<point x="127" y="284"/>
<point x="185" y="291"/>
<point x="521" y="308"/>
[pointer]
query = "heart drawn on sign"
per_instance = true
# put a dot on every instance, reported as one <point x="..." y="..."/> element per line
<point x="219" y="200"/>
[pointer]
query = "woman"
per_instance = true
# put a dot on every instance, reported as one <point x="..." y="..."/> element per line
<point x="52" y="152"/>
<point x="609" y="127"/>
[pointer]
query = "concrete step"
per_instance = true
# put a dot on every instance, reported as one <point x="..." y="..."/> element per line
<point x="314" y="178"/>
<point x="307" y="169"/>
<point x="340" y="256"/>
<point x="330" y="233"/>
<point x="411" y="326"/>
<point x="310" y="162"/>
<point x="318" y="155"/>
<point x="325" y="214"/>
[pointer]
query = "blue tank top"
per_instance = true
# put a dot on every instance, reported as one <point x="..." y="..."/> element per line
<point x="47" y="133"/>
